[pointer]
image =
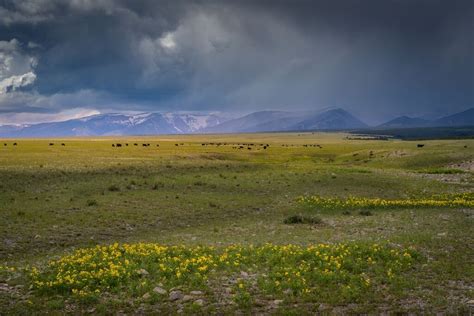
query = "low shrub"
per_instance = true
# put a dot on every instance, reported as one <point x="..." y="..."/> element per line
<point x="301" y="219"/>
<point x="92" y="203"/>
<point x="114" y="188"/>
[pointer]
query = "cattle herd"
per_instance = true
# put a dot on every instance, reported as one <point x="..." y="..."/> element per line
<point x="248" y="146"/>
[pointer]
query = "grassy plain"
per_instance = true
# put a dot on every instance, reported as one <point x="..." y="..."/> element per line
<point x="55" y="199"/>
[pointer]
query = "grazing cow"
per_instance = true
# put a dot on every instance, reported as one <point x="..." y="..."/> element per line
<point x="14" y="144"/>
<point x="51" y="144"/>
<point x="126" y="144"/>
<point x="420" y="145"/>
<point x="144" y="145"/>
<point x="4" y="144"/>
<point x="176" y="144"/>
<point x="135" y="144"/>
<point x="157" y="145"/>
<point x="113" y="145"/>
<point x="118" y="145"/>
<point x="264" y="147"/>
<point x="63" y="144"/>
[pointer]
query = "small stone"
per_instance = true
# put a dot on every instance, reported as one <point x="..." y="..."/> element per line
<point x="187" y="298"/>
<point x="176" y="295"/>
<point x="244" y="274"/>
<point x="159" y="290"/>
<point x="199" y="302"/>
<point x="277" y="302"/>
<point x="471" y="302"/>
<point x="142" y="272"/>
<point x="146" y="296"/>
<point x="196" y="293"/>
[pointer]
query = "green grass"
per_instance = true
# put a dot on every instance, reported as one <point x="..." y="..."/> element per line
<point x="56" y="200"/>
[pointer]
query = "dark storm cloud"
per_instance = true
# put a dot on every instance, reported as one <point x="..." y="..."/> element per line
<point x="376" y="58"/>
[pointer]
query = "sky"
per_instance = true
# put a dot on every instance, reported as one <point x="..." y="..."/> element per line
<point x="63" y="59"/>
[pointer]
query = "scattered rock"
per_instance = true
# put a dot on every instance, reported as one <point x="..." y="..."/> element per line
<point x="196" y="293"/>
<point x="187" y="298"/>
<point x="159" y="290"/>
<point x="146" y="296"/>
<point x="277" y="302"/>
<point x="199" y="302"/>
<point x="142" y="272"/>
<point x="244" y="274"/>
<point x="176" y="295"/>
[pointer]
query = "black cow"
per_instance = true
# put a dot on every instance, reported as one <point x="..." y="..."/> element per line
<point x="118" y="145"/>
<point x="420" y="145"/>
<point x="63" y="144"/>
<point x="51" y="144"/>
<point x="113" y="145"/>
<point x="14" y="144"/>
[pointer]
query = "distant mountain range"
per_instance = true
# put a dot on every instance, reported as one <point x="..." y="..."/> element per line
<point x="272" y="121"/>
<point x="465" y="118"/>
<point x="117" y="124"/>
<point x="189" y="123"/>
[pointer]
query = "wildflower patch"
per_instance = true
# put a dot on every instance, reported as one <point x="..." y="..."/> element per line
<point x="323" y="272"/>
<point x="444" y="201"/>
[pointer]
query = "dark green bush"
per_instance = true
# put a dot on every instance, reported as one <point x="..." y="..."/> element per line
<point x="301" y="219"/>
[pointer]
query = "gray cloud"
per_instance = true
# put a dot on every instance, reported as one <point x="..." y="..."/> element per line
<point x="376" y="58"/>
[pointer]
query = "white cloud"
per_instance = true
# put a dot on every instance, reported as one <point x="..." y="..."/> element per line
<point x="167" y="41"/>
<point x="34" y="118"/>
<point x="12" y="83"/>
<point x="16" y="67"/>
